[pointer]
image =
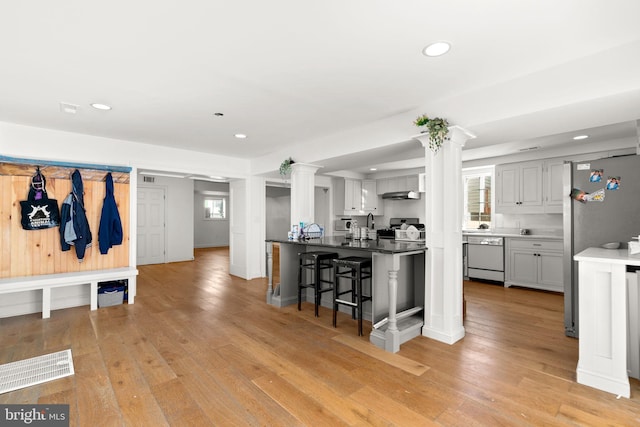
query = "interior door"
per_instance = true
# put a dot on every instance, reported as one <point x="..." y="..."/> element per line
<point x="151" y="226"/>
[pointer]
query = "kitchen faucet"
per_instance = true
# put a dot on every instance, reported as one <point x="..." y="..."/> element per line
<point x="373" y="225"/>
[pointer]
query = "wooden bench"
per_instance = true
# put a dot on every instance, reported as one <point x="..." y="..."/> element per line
<point x="46" y="282"/>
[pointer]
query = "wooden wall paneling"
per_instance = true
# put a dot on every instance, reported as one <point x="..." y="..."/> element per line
<point x="25" y="253"/>
<point x="20" y="259"/>
<point x="60" y="172"/>
<point x="121" y="252"/>
<point x="5" y="226"/>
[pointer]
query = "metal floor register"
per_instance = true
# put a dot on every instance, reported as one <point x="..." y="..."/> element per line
<point x="37" y="370"/>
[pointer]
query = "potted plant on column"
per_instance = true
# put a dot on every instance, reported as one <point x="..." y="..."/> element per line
<point x="285" y="167"/>
<point x="437" y="128"/>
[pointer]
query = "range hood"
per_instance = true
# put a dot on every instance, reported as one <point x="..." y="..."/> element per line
<point x="401" y="195"/>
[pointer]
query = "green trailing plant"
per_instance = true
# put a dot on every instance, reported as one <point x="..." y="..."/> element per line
<point x="285" y="167"/>
<point x="437" y="128"/>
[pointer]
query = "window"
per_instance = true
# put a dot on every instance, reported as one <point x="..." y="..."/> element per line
<point x="215" y="208"/>
<point x="478" y="196"/>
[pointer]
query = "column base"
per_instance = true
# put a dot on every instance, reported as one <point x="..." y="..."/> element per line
<point x="447" y="338"/>
<point x="617" y="386"/>
<point x="408" y="329"/>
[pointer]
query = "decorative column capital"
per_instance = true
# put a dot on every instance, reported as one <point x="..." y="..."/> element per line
<point x="457" y="135"/>
<point x="304" y="168"/>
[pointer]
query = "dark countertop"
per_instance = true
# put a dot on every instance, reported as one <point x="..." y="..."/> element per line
<point x="386" y="246"/>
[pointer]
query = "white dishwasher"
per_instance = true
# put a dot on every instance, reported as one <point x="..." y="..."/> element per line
<point x="485" y="258"/>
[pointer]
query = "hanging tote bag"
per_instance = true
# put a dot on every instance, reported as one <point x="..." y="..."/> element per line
<point x="39" y="211"/>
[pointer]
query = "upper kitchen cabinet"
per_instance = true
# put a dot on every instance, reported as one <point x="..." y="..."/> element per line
<point x="352" y="195"/>
<point x="370" y="196"/>
<point x="529" y="187"/>
<point x="519" y="188"/>
<point x="399" y="183"/>
<point x="553" y="186"/>
<point x="356" y="197"/>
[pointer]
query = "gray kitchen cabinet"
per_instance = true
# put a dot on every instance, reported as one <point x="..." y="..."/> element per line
<point x="554" y="195"/>
<point x="535" y="263"/>
<point x="519" y="188"/>
<point x="529" y="187"/>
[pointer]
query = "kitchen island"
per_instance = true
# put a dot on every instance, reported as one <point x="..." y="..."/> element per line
<point x="397" y="285"/>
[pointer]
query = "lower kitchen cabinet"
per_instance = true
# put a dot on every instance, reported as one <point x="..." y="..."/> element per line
<point x="535" y="263"/>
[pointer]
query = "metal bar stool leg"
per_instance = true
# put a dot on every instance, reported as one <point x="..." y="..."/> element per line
<point x="317" y="294"/>
<point x="359" y="299"/>
<point x="354" y="295"/>
<point x="335" y="294"/>
<point x="300" y="262"/>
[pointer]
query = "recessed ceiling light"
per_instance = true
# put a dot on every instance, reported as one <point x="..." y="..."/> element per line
<point x="436" y="49"/>
<point x="99" y="106"/>
<point x="240" y="135"/>
<point x="579" y="137"/>
<point x="373" y="169"/>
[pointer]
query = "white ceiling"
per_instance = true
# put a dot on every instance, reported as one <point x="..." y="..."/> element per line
<point x="290" y="72"/>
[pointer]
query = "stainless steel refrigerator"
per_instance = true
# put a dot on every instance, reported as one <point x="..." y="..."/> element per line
<point x="590" y="221"/>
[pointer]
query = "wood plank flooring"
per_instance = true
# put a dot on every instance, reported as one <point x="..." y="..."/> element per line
<point x="200" y="347"/>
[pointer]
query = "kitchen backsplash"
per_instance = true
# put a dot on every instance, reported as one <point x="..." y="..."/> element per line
<point x="530" y="221"/>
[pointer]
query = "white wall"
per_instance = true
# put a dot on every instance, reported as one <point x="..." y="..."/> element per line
<point x="278" y="214"/>
<point x="247" y="255"/>
<point x="210" y="233"/>
<point x="47" y="144"/>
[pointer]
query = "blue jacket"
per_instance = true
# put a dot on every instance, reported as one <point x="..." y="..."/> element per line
<point x="74" y="226"/>
<point x="110" y="230"/>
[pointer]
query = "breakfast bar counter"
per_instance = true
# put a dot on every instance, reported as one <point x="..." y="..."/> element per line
<point x="397" y="285"/>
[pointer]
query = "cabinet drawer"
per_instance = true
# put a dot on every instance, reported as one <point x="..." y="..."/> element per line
<point x="536" y="245"/>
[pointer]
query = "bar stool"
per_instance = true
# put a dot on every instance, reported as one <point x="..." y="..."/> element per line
<point x="356" y="269"/>
<point x="316" y="262"/>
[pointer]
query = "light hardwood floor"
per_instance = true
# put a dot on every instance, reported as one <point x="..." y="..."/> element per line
<point x="200" y="347"/>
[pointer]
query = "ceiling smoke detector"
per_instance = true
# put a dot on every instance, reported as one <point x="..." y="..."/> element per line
<point x="65" y="107"/>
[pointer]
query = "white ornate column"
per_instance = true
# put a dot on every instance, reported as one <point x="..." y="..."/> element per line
<point x="444" y="211"/>
<point x="302" y="192"/>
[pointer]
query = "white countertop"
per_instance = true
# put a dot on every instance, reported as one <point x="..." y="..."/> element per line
<point x="611" y="256"/>
<point x="508" y="233"/>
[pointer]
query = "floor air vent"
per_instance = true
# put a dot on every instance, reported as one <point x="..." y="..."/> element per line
<point x="37" y="370"/>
